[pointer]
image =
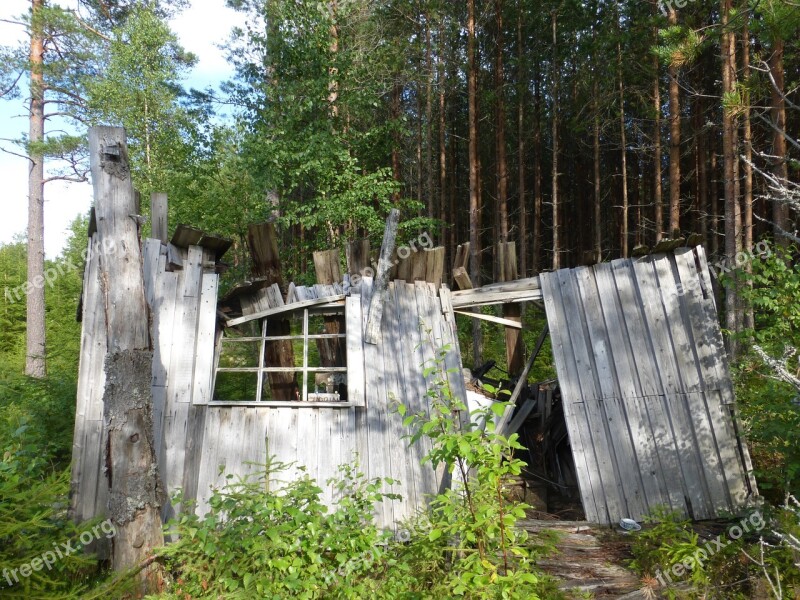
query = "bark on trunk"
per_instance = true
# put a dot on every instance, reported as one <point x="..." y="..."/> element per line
<point x="474" y="208"/>
<point x="674" y="143"/>
<point x="554" y="174"/>
<point x="523" y="209"/>
<point x="780" y="210"/>
<point x="35" y="365"/>
<point x="729" y="170"/>
<point x="135" y="490"/>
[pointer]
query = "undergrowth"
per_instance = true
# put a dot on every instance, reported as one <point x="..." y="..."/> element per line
<point x="266" y="539"/>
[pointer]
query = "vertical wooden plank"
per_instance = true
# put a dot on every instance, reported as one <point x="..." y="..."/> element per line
<point x="391" y="349"/>
<point x="621" y="365"/>
<point x="679" y="416"/>
<point x="158" y="217"/>
<point x="372" y="331"/>
<point x="207" y="470"/>
<point x="417" y="321"/>
<point x="594" y="503"/>
<point x="206" y="336"/>
<point x="609" y="471"/>
<point x="87" y="444"/>
<point x="355" y="351"/>
<point x="680" y="330"/>
<point x="649" y="386"/>
<point x="620" y="426"/>
<point x="434" y="269"/>
<point x="376" y="418"/>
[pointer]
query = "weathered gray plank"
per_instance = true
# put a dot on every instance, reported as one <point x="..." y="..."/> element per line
<point x="372" y="331"/>
<point x="680" y="419"/>
<point x="607" y="401"/>
<point x="356" y="382"/>
<point x="648" y="382"/>
<point x="401" y="467"/>
<point x="158" y="217"/>
<point x="679" y="327"/>
<point x="594" y="504"/>
<point x="206" y="336"/>
<point x="625" y="386"/>
<point x="609" y="471"/>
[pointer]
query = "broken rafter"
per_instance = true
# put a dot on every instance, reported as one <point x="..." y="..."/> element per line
<point x="328" y="302"/>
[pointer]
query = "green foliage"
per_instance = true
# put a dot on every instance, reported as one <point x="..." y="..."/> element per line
<point x="35" y="440"/>
<point x="265" y="540"/>
<point x="768" y="406"/>
<point x="680" y="46"/>
<point x="139" y="89"/>
<point x="726" y="562"/>
<point x="318" y="137"/>
<point x="473" y="517"/>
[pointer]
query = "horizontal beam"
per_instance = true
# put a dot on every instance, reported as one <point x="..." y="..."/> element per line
<point x="472" y="298"/>
<point x="336" y="300"/>
<point x="491" y="318"/>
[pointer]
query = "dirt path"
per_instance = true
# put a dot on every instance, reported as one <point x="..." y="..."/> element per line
<point x="589" y="560"/>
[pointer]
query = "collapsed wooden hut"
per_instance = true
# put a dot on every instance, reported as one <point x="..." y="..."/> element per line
<point x="313" y="374"/>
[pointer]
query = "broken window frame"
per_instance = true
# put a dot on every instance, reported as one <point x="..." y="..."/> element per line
<point x="263" y="370"/>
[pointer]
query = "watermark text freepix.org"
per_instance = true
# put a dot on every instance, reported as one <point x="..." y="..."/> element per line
<point x="50" y="275"/>
<point x="755" y="522"/>
<point x="60" y="551"/>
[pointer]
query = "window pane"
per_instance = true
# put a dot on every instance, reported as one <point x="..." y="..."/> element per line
<point x="235" y="386"/>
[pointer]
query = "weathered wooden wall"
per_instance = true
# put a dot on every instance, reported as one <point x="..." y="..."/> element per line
<point x="89" y="488"/>
<point x="322" y="438"/>
<point x="647" y="395"/>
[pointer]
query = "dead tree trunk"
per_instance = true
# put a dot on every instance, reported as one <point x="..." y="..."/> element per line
<point x="135" y="491"/>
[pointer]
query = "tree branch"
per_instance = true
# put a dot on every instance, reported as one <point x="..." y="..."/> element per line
<point x="779" y="366"/>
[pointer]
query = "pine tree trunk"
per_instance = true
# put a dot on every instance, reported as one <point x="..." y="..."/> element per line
<point x="35" y="365"/>
<point x="658" y="201"/>
<point x="747" y="220"/>
<point x="598" y="248"/>
<point x="674" y="143"/>
<point x="728" y="52"/>
<point x="502" y="162"/>
<point x="523" y="209"/>
<point x="623" y="141"/>
<point x="780" y="210"/>
<point x="474" y="208"/>
<point x="537" y="169"/>
<point x="555" y="199"/>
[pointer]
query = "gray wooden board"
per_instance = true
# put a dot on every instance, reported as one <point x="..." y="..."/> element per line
<point x="379" y="459"/>
<point x="607" y="402"/>
<point x="194" y="451"/>
<point x="356" y="382"/>
<point x="624" y="386"/>
<point x="86" y="450"/>
<point x="414" y="350"/>
<point x="412" y="393"/>
<point x="207" y="471"/>
<point x="594" y="503"/>
<point x="649" y="387"/>
<point x="609" y="472"/>
<point x="679" y="416"/>
<point x="705" y="440"/>
<point x="203" y="378"/>
<point x="401" y="467"/>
